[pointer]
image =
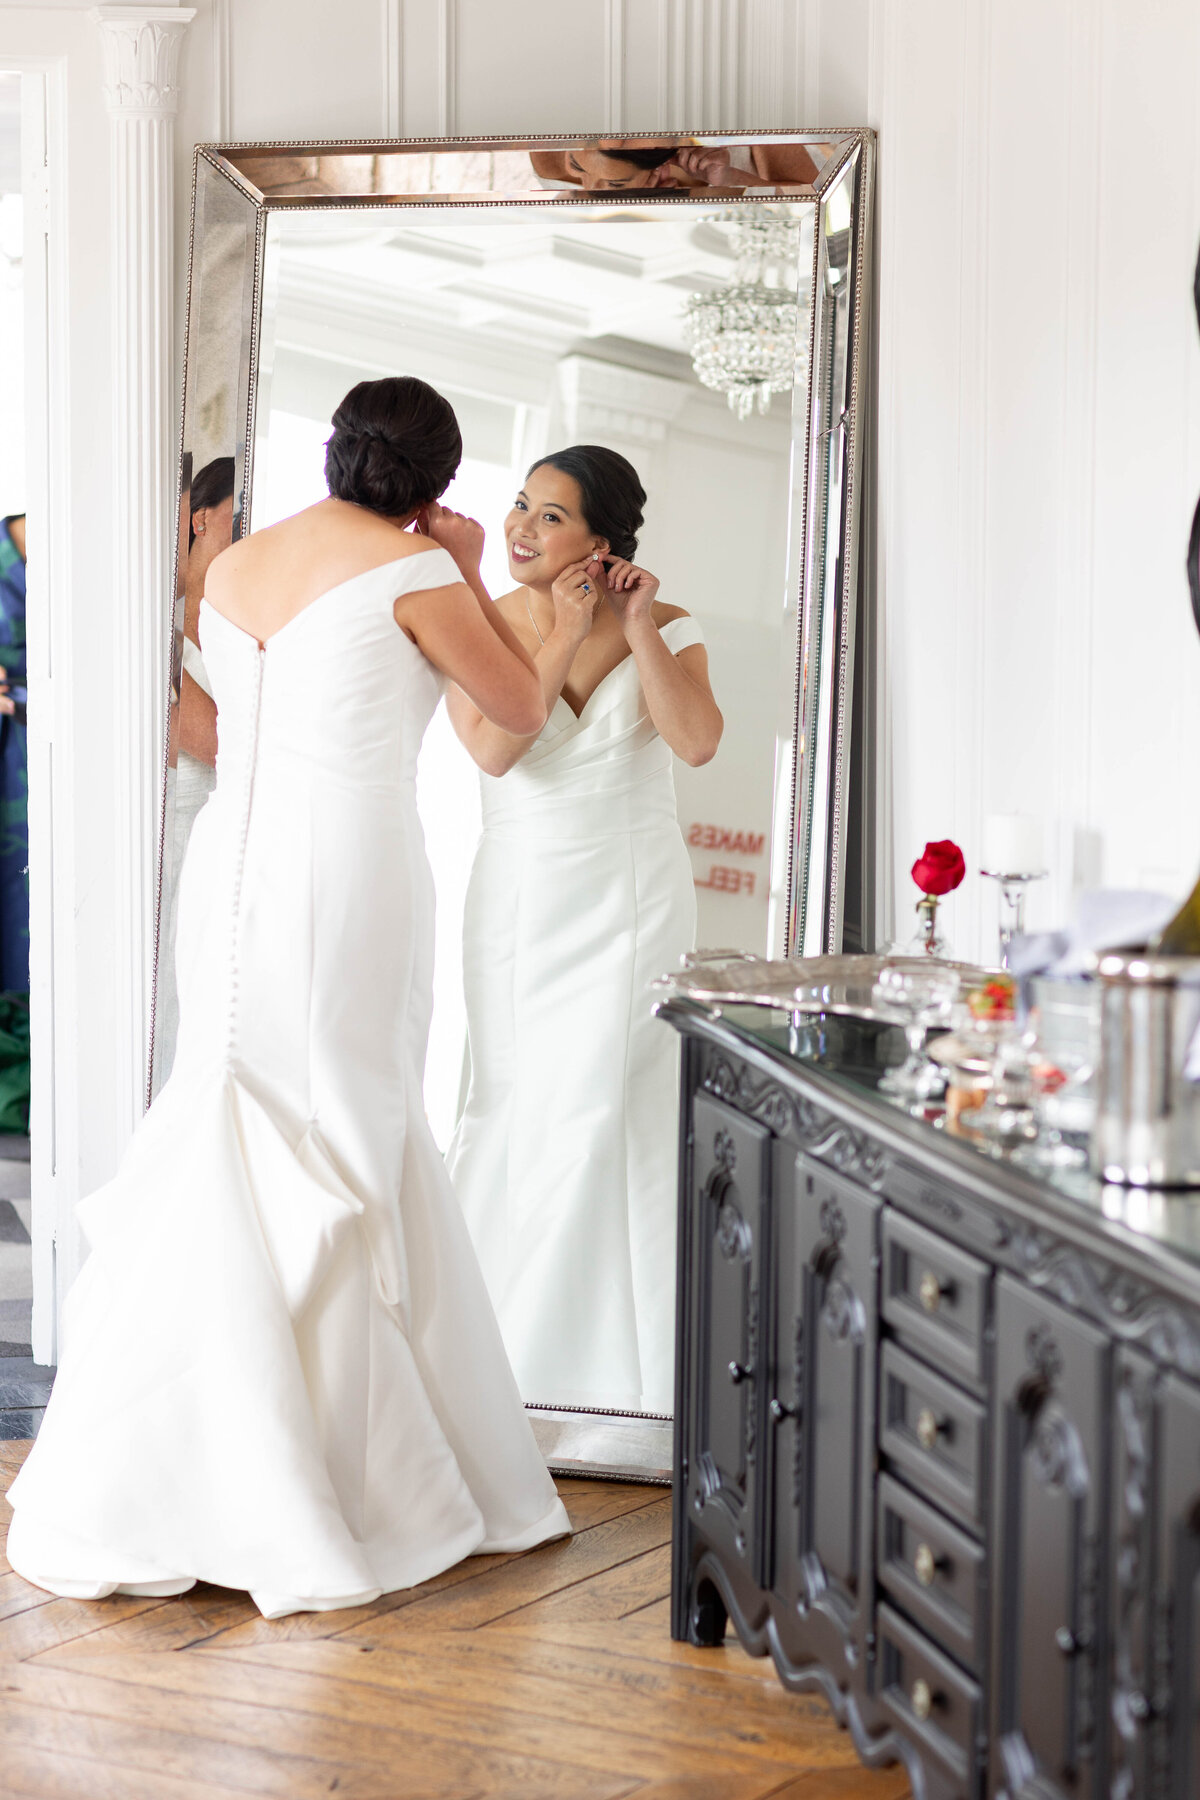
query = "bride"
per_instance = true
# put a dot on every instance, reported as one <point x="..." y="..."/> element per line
<point x="281" y="1372"/>
<point x="564" y="1160"/>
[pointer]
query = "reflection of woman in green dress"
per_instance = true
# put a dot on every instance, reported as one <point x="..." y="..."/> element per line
<point x="14" y="836"/>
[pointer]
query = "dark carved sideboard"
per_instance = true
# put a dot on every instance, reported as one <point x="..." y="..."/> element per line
<point x="938" y="1429"/>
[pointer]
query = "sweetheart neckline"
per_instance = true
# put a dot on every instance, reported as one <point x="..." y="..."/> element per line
<point x="561" y="699"/>
<point x="578" y="716"/>
<point x="261" y="643"/>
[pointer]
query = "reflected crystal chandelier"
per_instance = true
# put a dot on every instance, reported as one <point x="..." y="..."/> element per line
<point x="746" y="339"/>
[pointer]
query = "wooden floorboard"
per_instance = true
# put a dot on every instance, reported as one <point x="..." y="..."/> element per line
<point x="546" y="1676"/>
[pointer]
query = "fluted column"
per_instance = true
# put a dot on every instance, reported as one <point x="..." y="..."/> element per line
<point x="141" y="46"/>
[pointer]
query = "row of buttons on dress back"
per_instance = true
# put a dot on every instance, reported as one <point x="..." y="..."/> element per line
<point x="243" y="838"/>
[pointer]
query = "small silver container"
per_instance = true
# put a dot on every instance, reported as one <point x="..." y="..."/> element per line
<point x="1147" y="1127"/>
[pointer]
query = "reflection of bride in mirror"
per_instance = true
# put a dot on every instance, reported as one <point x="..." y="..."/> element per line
<point x="620" y="164"/>
<point x="564" y="1159"/>
<point x="208" y="512"/>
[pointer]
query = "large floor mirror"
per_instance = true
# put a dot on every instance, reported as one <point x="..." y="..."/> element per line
<point x="698" y="304"/>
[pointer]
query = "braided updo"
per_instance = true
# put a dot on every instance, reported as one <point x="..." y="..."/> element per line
<point x="609" y="489"/>
<point x="395" y="446"/>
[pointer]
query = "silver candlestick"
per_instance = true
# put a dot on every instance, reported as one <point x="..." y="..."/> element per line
<point x="1012" y="891"/>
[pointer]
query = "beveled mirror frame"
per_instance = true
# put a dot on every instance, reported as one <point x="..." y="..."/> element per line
<point x="819" y="876"/>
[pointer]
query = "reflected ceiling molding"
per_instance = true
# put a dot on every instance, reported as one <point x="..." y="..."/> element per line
<point x="601" y="399"/>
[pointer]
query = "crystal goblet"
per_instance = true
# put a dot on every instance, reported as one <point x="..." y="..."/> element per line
<point x="920" y="998"/>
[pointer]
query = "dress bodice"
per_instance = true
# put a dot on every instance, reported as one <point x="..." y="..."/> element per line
<point x="604" y="771"/>
<point x="340" y="694"/>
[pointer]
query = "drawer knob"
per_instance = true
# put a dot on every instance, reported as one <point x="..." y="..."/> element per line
<point x="929" y="1428"/>
<point x="926" y="1565"/>
<point x="738" y="1372"/>
<point x="922" y="1698"/>
<point x="929" y="1291"/>
<point x="779" y="1412"/>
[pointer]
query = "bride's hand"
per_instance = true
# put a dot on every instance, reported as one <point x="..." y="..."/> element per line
<point x="631" y="591"/>
<point x="710" y="165"/>
<point x="455" y="532"/>
<point x="577" y="593"/>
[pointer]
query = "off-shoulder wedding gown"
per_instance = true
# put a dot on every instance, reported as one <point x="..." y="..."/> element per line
<point x="565" y="1157"/>
<point x="281" y="1371"/>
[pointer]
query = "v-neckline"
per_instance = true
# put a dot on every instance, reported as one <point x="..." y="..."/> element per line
<point x="578" y="716"/>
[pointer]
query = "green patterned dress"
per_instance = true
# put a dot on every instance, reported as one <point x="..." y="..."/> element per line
<point x="14" y="849"/>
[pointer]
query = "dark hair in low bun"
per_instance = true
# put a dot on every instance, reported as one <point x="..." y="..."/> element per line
<point x="395" y="445"/>
<point x="640" y="159"/>
<point x="612" y="495"/>
<point x="212" y="484"/>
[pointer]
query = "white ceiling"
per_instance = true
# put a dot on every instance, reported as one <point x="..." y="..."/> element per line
<point x="569" y="280"/>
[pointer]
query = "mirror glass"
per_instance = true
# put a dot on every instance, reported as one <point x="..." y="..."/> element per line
<point x="549" y="1084"/>
<point x="217" y="392"/>
<point x="695" y="306"/>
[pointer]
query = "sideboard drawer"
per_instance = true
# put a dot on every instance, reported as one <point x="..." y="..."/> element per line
<point x="934" y="1432"/>
<point x="935" y="1297"/>
<point x="933" y="1701"/>
<point x="933" y="1570"/>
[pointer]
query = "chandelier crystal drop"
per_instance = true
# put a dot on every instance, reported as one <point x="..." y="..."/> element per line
<point x="748" y="339"/>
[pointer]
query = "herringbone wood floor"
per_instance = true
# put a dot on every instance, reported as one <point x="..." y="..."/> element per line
<point x="549" y="1676"/>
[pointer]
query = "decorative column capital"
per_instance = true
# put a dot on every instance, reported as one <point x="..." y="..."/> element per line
<point x="141" y="57"/>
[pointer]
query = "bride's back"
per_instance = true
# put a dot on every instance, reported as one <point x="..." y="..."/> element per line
<point x="263" y="582"/>
<point x="395" y="444"/>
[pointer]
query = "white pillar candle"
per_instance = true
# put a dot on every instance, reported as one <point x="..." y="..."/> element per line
<point x="1012" y="844"/>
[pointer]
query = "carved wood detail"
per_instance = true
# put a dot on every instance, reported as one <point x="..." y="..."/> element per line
<point x="798" y="1119"/>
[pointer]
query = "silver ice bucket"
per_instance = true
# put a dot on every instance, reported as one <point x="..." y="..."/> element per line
<point x="1147" y="1129"/>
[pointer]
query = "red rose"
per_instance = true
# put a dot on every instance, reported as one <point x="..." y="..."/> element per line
<point x="940" y="869"/>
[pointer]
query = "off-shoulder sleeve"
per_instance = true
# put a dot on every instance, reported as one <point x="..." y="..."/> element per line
<point x="427" y="569"/>
<point x="681" y="634"/>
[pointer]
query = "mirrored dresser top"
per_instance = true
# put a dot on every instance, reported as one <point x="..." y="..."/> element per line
<point x="852" y="1055"/>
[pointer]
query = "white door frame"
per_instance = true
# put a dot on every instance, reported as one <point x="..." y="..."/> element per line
<point x="53" y="1118"/>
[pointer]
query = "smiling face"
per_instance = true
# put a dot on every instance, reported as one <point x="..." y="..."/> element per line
<point x="546" y="529"/>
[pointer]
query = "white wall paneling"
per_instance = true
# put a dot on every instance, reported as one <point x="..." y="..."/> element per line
<point x="1039" y="405"/>
<point x="393" y="24"/>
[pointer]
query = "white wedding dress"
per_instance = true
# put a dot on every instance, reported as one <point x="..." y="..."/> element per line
<point x="194" y="782"/>
<point x="564" y="1160"/>
<point x="281" y="1371"/>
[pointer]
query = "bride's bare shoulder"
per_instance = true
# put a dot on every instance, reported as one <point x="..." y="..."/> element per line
<point x="326" y="543"/>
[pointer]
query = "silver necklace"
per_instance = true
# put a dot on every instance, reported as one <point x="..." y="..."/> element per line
<point x="533" y="621"/>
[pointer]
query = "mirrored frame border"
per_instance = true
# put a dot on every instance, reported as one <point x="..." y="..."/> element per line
<point x="814" y="747"/>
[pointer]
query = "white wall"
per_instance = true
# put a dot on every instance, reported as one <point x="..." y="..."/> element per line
<point x="1039" y="424"/>
<point x="1039" y="378"/>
